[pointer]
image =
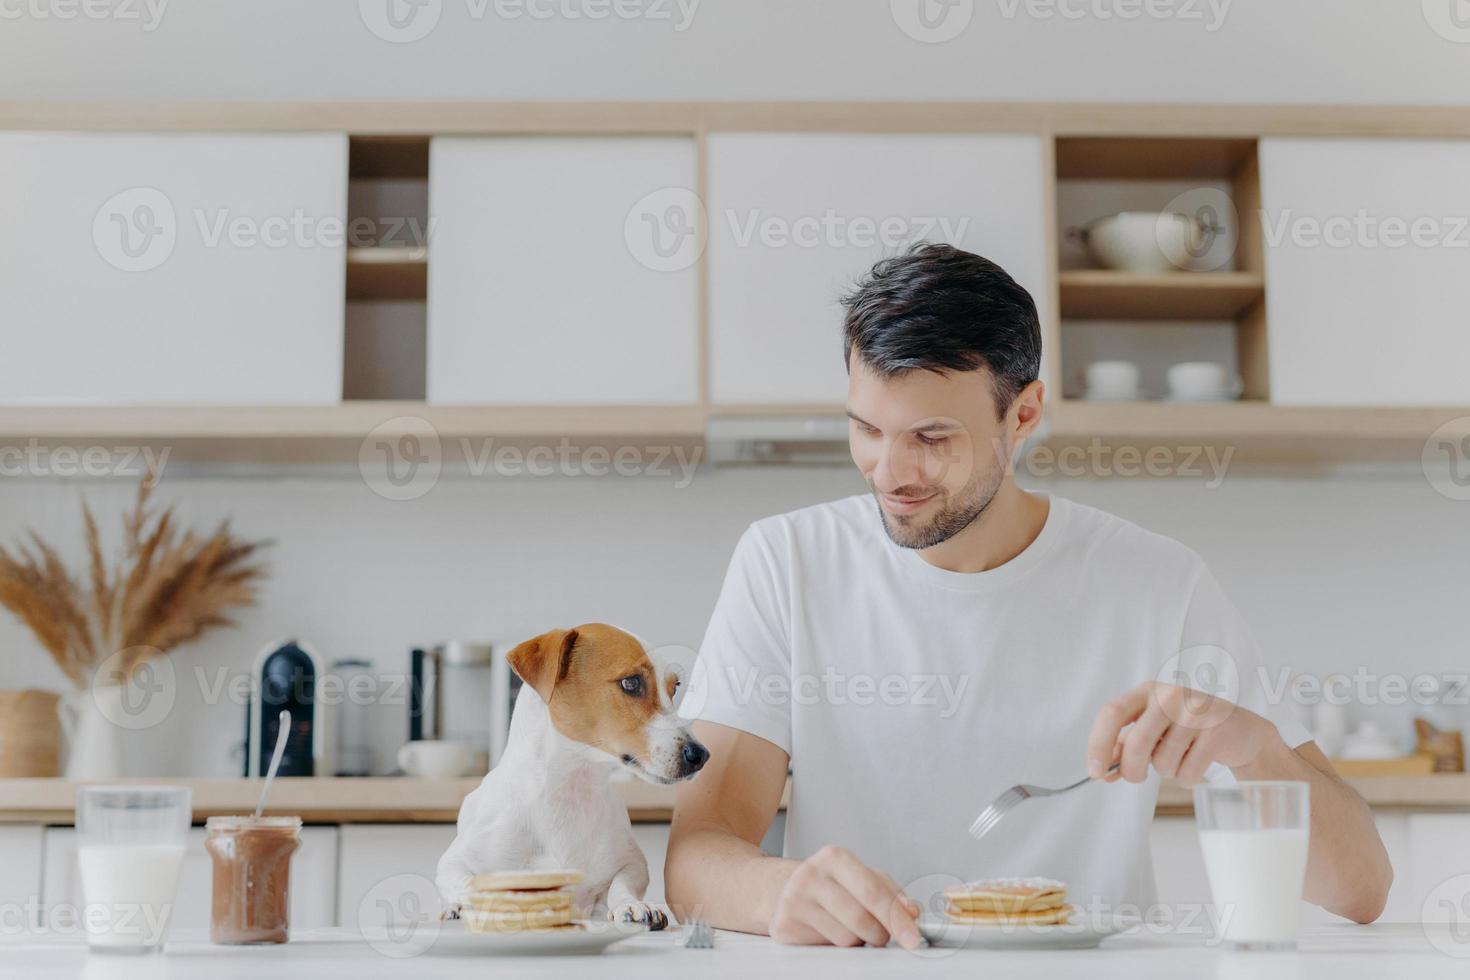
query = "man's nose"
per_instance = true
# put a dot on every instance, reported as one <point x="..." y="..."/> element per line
<point x="893" y="470"/>
<point x="695" y="756"/>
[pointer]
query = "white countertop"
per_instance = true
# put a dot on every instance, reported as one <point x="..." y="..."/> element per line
<point x="1339" y="952"/>
<point x="404" y="800"/>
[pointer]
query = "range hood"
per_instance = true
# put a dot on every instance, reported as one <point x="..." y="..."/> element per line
<point x="745" y="439"/>
<point x="799" y="439"/>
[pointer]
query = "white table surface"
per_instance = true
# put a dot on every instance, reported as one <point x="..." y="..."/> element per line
<point x="1339" y="952"/>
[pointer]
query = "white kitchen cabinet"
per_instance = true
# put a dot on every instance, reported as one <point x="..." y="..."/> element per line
<point x="562" y="271"/>
<point x="796" y="219"/>
<point x="172" y="268"/>
<point x="386" y="871"/>
<point x="20" y="872"/>
<point x="313" y="878"/>
<point x="1438" y="870"/>
<point x="1366" y="256"/>
<point x="380" y="862"/>
<point x="653" y="838"/>
<point x="1179" y="866"/>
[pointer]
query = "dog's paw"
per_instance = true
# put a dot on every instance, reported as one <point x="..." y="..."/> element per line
<point x="450" y="912"/>
<point x="641" y="913"/>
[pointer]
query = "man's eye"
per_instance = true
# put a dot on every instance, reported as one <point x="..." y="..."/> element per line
<point x="633" y="685"/>
<point x="933" y="441"/>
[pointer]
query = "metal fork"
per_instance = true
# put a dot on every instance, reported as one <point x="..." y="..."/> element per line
<point x="701" y="936"/>
<point x="1014" y="797"/>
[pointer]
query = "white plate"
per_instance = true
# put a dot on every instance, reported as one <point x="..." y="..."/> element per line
<point x="455" y="940"/>
<point x="1071" y="935"/>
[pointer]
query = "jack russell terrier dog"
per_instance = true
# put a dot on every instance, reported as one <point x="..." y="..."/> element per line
<point x="592" y="700"/>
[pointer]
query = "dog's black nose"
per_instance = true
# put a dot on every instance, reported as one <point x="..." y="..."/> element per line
<point x="695" y="756"/>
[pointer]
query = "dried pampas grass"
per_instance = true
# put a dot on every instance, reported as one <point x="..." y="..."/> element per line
<point x="167" y="589"/>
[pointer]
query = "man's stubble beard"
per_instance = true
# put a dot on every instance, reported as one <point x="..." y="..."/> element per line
<point x="969" y="503"/>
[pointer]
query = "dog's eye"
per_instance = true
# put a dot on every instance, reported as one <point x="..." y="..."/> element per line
<point x="632" y="684"/>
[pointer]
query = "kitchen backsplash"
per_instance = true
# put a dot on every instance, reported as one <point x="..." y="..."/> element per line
<point x="1361" y="574"/>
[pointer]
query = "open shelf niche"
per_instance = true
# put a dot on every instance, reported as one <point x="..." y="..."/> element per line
<point x="387" y="269"/>
<point x="1217" y="313"/>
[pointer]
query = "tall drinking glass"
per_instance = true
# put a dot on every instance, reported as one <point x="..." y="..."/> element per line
<point x="1254" y="835"/>
<point x="130" y="846"/>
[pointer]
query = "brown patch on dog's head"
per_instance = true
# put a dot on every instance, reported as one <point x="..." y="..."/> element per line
<point x="544" y="661"/>
<point x="601" y="689"/>
<point x="598" y="683"/>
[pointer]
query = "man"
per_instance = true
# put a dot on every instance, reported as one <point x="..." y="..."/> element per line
<point x="914" y="652"/>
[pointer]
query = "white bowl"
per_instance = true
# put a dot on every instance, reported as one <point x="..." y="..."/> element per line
<point x="1202" y="381"/>
<point x="1119" y="378"/>
<point x="1146" y="241"/>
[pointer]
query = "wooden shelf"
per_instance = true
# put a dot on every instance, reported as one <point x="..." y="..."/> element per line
<point x="1441" y="792"/>
<point x="406" y="800"/>
<point x="389" y="158"/>
<point x="1113" y="158"/>
<point x="347" y="420"/>
<point x="334" y="434"/>
<point x="1090" y="294"/>
<point x="387" y="272"/>
<point x="387" y="799"/>
<point x="790" y="410"/>
<point x="1258" y="431"/>
<point x="469" y="117"/>
<point x="1261" y="431"/>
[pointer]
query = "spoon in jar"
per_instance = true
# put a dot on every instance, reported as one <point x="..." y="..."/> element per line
<point x="283" y="729"/>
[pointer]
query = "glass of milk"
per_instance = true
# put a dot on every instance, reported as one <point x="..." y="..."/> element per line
<point x="1254" y="835"/>
<point x="130" y="846"/>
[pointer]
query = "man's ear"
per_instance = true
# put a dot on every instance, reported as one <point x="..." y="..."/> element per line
<point x="544" y="661"/>
<point x="1027" y="408"/>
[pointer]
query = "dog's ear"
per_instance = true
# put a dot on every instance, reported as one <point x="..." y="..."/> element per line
<point x="544" y="661"/>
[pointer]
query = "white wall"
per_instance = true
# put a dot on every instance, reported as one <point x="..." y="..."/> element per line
<point x="1334" y="573"/>
<point x="1364" y="571"/>
<point x="1261" y="51"/>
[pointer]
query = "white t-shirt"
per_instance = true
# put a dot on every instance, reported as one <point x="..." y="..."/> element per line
<point x="908" y="697"/>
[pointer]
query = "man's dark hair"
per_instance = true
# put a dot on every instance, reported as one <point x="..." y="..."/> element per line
<point x="937" y="308"/>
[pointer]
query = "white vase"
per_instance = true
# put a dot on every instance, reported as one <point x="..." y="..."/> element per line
<point x="1330" y="727"/>
<point x="93" y="751"/>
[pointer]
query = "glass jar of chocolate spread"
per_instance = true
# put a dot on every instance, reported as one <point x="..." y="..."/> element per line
<point x="252" y="878"/>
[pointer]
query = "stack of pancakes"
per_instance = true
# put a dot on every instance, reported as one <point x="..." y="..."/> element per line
<point x="1009" y="902"/>
<point x="521" y="901"/>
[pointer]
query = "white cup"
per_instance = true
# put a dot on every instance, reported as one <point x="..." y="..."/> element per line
<point x="1112" y="380"/>
<point x="1254" y="836"/>
<point x="131" y="842"/>
<point x="1202" y="381"/>
<point x="435" y="760"/>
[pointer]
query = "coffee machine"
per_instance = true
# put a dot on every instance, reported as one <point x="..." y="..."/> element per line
<point x="286" y="678"/>
<point x="460" y="691"/>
